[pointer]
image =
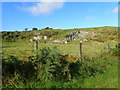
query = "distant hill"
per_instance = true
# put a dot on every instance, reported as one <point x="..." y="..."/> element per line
<point x="108" y="33"/>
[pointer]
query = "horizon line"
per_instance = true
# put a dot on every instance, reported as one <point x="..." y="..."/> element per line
<point x="56" y="29"/>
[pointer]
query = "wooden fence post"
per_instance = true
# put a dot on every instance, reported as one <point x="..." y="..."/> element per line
<point x="108" y="47"/>
<point x="35" y="45"/>
<point x="80" y="52"/>
<point x="36" y="48"/>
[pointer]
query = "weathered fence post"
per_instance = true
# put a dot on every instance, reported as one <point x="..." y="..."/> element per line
<point x="36" y="48"/>
<point x="80" y="52"/>
<point x="35" y="45"/>
<point x="108" y="47"/>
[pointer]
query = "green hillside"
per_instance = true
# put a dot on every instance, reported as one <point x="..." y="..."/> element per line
<point x="58" y="63"/>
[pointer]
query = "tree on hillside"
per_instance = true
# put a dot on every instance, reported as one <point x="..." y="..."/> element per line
<point x="48" y="28"/>
<point x="34" y="29"/>
<point x="26" y="29"/>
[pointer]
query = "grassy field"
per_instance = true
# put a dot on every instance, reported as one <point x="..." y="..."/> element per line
<point x="22" y="48"/>
<point x="97" y="52"/>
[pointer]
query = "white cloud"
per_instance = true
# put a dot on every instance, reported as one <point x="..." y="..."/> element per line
<point x="116" y="9"/>
<point x="44" y="7"/>
<point x="90" y="17"/>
